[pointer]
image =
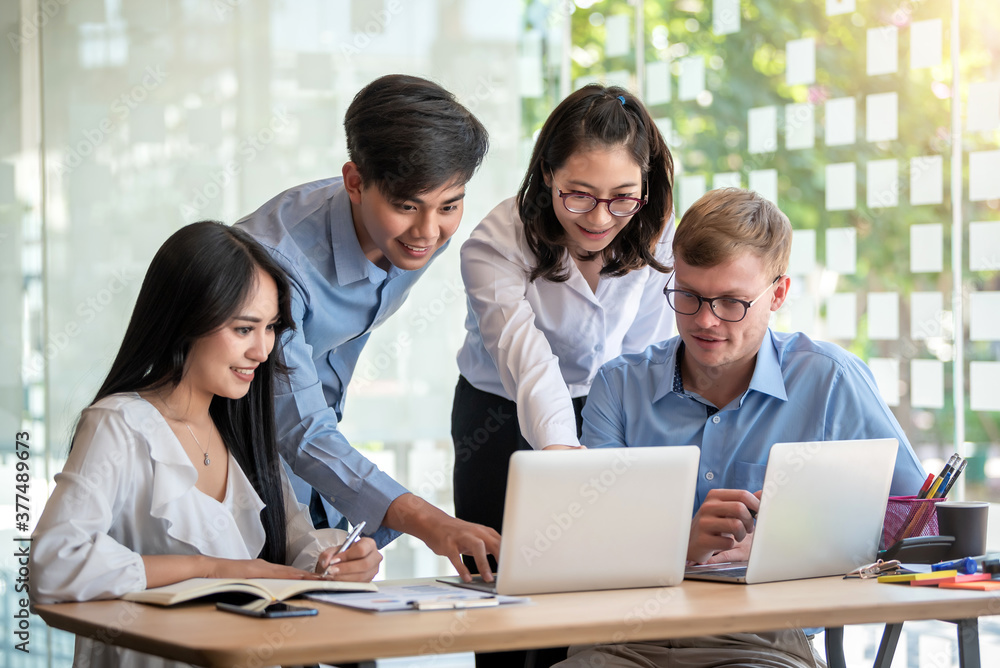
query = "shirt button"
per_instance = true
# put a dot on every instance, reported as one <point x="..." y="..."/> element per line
<point x="715" y="419"/>
<point x="599" y="347"/>
<point x="709" y="476"/>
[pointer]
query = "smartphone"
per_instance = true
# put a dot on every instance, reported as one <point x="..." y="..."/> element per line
<point x="273" y="610"/>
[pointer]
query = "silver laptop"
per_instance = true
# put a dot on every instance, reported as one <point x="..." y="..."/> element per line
<point x="609" y="518"/>
<point x="820" y="514"/>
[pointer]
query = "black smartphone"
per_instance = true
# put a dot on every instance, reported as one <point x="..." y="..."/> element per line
<point x="273" y="610"/>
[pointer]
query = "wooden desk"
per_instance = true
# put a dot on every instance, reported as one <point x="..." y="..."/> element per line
<point x="201" y="635"/>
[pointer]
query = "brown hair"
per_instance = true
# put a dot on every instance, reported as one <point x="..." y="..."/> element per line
<point x="729" y="221"/>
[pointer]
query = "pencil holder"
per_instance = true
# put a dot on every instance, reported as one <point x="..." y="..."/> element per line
<point x="908" y="516"/>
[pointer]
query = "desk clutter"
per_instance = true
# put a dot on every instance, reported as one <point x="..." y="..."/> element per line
<point x="977" y="573"/>
<point x="913" y="516"/>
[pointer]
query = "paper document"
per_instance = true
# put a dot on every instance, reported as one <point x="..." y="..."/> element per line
<point x="417" y="597"/>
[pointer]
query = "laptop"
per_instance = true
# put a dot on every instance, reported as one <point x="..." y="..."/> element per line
<point x="820" y="514"/>
<point x="582" y="520"/>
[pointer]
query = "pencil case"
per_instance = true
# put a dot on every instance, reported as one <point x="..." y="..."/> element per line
<point x="908" y="517"/>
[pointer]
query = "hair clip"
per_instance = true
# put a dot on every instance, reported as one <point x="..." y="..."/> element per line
<point x="880" y="567"/>
<point x="621" y="98"/>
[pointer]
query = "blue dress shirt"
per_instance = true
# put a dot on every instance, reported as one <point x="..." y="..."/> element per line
<point x="338" y="298"/>
<point x="801" y="390"/>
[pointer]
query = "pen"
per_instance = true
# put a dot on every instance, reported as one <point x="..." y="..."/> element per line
<point x="350" y="540"/>
<point x="966" y="565"/>
<point x="954" y="477"/>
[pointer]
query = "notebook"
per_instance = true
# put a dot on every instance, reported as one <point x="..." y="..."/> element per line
<point x="581" y="520"/>
<point x="820" y="514"/>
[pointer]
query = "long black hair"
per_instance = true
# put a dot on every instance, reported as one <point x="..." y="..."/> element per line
<point x="199" y="279"/>
<point x="597" y="117"/>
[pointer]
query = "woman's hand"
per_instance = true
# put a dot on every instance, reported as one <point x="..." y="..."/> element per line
<point x="358" y="563"/>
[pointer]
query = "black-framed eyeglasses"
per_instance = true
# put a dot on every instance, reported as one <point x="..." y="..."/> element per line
<point x="729" y="309"/>
<point x="617" y="206"/>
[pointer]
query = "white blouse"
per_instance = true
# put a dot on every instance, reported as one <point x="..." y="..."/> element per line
<point x="128" y="489"/>
<point x="540" y="344"/>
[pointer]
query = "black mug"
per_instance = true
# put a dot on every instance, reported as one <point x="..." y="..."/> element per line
<point x="966" y="521"/>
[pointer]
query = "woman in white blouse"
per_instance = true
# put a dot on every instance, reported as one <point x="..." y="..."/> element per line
<point x="174" y="472"/>
<point x="561" y="279"/>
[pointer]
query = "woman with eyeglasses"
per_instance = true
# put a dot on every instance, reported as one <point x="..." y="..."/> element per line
<point x="560" y="279"/>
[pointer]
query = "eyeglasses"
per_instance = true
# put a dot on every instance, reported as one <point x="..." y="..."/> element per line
<point x="617" y="206"/>
<point x="729" y="309"/>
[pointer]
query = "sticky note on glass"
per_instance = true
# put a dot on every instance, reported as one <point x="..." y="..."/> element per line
<point x="926" y="180"/>
<point x="883" y="316"/>
<point x="762" y="125"/>
<point x="841" y="186"/>
<point x="691" y="188"/>
<point x="621" y="78"/>
<point x="984" y="175"/>
<point x="147" y="123"/>
<point x="927" y="383"/>
<point x="883" y="50"/>
<point x="765" y="183"/>
<point x="984" y="316"/>
<point x="800" y="61"/>
<point x="616" y="35"/>
<point x="886" y="372"/>
<point x="840" y="121"/>
<point x="802" y="313"/>
<point x="925" y="44"/>
<point x="882" y="117"/>
<point x="835" y="7"/>
<point x="530" y="83"/>
<point x="842" y="250"/>
<point x="883" y="183"/>
<point x="666" y="128"/>
<point x="692" y="79"/>
<point x="926" y="311"/>
<point x="726" y="180"/>
<point x="926" y="248"/>
<point x="984" y="386"/>
<point x="984" y="107"/>
<point x="657" y="82"/>
<point x="984" y="246"/>
<point x="725" y="16"/>
<point x="842" y="316"/>
<point x="802" y="260"/>
<point x="800" y="126"/>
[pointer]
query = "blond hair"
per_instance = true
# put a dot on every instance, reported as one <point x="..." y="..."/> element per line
<point x="729" y="221"/>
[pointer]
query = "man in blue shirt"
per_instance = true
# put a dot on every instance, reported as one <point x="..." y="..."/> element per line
<point x="353" y="247"/>
<point x="734" y="387"/>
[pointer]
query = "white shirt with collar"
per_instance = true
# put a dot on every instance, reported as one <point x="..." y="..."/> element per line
<point x="541" y="343"/>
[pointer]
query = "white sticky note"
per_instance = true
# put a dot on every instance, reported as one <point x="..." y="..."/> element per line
<point x="927" y="383"/>
<point x="840" y="122"/>
<point x="984" y="107"/>
<point x="765" y="183"/>
<point x="726" y="180"/>
<point x="883" y="316"/>
<point x="984" y="175"/>
<point x="883" y="183"/>
<point x="800" y="61"/>
<point x="692" y="187"/>
<point x="802" y="313"/>
<point x="984" y="386"/>
<point x="657" y="82"/>
<point x="762" y="124"/>
<point x="886" y="372"/>
<point x="926" y="311"/>
<point x="842" y="316"/>
<point x="926" y="248"/>
<point x="147" y="124"/>
<point x="984" y="316"/>
<point x="882" y="117"/>
<point x="841" y="186"/>
<point x="692" y="79"/>
<point x="666" y="128"/>
<point x="530" y="83"/>
<point x="725" y="16"/>
<point x="984" y="246"/>
<point x="835" y="7"/>
<point x="802" y="260"/>
<point x="925" y="44"/>
<point x="621" y="78"/>
<point x="883" y="50"/>
<point x="842" y="250"/>
<point x="926" y="180"/>
<point x="800" y="126"/>
<point x="617" y="29"/>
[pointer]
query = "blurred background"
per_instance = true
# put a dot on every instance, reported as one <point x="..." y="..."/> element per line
<point x="874" y="125"/>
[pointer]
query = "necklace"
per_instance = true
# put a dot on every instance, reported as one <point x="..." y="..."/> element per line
<point x="191" y="431"/>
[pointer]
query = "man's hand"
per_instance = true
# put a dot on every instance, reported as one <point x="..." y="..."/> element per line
<point x="722" y="525"/>
<point x="444" y="534"/>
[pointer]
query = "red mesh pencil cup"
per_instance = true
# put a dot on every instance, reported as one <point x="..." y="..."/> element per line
<point x="908" y="516"/>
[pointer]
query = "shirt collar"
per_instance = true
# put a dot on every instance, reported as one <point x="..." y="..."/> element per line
<point x="349" y="259"/>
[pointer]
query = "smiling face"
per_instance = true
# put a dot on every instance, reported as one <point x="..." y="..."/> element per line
<point x="403" y="233"/>
<point x="222" y="363"/>
<point x="604" y="174"/>
<point x="714" y="346"/>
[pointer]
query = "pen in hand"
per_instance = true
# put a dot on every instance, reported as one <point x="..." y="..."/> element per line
<point x="350" y="540"/>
